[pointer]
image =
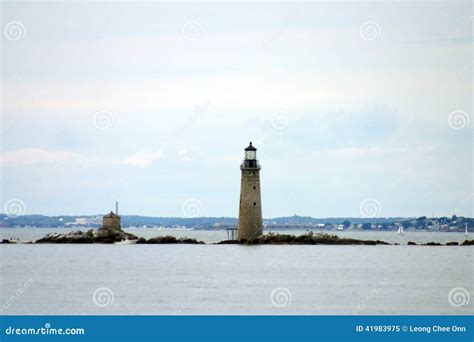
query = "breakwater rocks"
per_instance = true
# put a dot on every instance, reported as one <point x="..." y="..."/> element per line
<point x="306" y="239"/>
<point x="464" y="243"/>
<point x="101" y="235"/>
<point x="108" y="235"/>
<point x="326" y="239"/>
<point x="169" y="240"/>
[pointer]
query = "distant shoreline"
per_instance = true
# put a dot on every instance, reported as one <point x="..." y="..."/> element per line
<point x="267" y="230"/>
<point x="423" y="223"/>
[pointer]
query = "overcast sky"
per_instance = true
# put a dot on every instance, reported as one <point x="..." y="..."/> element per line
<point x="152" y="105"/>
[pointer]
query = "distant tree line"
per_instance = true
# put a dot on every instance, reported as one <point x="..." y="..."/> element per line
<point x="379" y="223"/>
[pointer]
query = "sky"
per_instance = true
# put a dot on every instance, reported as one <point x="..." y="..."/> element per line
<point x="356" y="109"/>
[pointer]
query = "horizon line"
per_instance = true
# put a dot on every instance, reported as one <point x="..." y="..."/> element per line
<point x="235" y="217"/>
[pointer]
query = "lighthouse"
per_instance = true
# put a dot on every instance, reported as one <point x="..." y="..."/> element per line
<point x="250" y="209"/>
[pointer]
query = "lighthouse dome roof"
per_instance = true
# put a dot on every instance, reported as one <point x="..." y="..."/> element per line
<point x="250" y="147"/>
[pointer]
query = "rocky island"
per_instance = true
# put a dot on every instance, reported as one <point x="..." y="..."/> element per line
<point x="106" y="235"/>
<point x="101" y="235"/>
<point x="306" y="239"/>
<point x="111" y="232"/>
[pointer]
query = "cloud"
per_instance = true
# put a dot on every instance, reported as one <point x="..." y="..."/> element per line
<point x="31" y="156"/>
<point x="144" y="158"/>
<point x="184" y="155"/>
<point x="37" y="156"/>
<point x="357" y="152"/>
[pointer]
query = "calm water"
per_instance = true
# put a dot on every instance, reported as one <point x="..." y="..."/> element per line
<point x="229" y="279"/>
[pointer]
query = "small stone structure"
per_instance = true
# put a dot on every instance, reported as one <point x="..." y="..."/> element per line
<point x="111" y="221"/>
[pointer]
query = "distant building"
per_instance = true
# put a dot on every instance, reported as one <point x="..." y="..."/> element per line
<point x="79" y="221"/>
<point x="250" y="208"/>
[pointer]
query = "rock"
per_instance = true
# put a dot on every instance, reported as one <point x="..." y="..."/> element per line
<point x="306" y="239"/>
<point x="190" y="241"/>
<point x="168" y="240"/>
<point x="452" y="244"/>
<point x="5" y="241"/>
<point x="433" y="244"/>
<point x="468" y="243"/>
<point x="111" y="235"/>
<point x="228" y="242"/>
<point x="411" y="243"/>
<point x="101" y="235"/>
<point x="71" y="237"/>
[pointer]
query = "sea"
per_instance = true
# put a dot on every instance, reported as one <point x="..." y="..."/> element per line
<point x="129" y="279"/>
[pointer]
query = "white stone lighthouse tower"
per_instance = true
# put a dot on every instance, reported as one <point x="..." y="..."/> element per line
<point x="250" y="210"/>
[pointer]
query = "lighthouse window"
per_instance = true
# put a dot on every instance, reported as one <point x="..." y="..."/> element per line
<point x="254" y="204"/>
<point x="254" y="188"/>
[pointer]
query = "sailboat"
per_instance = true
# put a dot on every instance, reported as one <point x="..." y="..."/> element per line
<point x="400" y="230"/>
<point x="465" y="233"/>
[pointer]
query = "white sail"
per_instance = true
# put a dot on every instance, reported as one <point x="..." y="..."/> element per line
<point x="465" y="233"/>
